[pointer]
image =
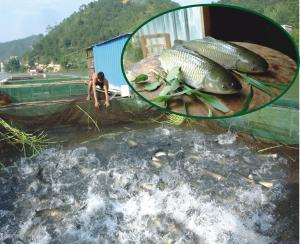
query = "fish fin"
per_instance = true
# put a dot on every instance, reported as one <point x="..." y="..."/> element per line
<point x="185" y="49"/>
<point x="209" y="38"/>
<point x="178" y="42"/>
<point x="235" y="65"/>
<point x="228" y="66"/>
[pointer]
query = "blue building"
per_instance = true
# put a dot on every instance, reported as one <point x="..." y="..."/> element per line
<point x="106" y="57"/>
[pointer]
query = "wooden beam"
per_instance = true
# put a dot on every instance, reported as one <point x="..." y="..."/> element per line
<point x="206" y="20"/>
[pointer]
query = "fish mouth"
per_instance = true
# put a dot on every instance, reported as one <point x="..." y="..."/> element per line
<point x="259" y="68"/>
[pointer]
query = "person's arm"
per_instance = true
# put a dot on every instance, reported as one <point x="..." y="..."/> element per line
<point x="106" y="87"/>
<point x="94" y="90"/>
<point x="90" y="85"/>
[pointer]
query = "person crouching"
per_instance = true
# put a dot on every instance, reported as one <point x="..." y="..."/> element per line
<point x="98" y="79"/>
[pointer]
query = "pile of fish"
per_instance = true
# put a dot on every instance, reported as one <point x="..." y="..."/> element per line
<point x="155" y="185"/>
<point x="205" y="62"/>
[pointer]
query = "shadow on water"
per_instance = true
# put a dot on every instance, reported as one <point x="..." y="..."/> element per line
<point x="148" y="183"/>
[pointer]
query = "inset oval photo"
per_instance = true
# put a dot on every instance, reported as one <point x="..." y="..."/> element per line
<point x="210" y="61"/>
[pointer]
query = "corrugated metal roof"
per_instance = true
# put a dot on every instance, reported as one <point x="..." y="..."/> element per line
<point x="109" y="40"/>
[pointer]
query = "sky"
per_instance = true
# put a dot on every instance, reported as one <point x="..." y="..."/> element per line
<point x="23" y="18"/>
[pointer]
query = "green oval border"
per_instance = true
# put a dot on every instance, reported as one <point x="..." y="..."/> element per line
<point x="214" y="5"/>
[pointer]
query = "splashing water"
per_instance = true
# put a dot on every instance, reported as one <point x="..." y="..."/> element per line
<point x="227" y="138"/>
<point x="147" y="186"/>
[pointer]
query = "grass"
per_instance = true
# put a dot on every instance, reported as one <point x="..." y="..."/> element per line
<point x="31" y="144"/>
<point x="173" y="87"/>
<point x="173" y="120"/>
<point x="89" y="117"/>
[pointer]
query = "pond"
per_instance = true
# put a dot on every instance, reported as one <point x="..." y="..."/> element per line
<point x="147" y="184"/>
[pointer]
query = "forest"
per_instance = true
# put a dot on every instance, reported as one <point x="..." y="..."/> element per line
<point x="105" y="19"/>
<point x="17" y="47"/>
<point x="93" y="23"/>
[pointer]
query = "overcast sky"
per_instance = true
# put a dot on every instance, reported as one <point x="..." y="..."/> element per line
<point x="22" y="18"/>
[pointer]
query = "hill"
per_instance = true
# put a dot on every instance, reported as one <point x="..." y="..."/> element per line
<point x="283" y="12"/>
<point x="93" y="23"/>
<point x="17" y="47"/>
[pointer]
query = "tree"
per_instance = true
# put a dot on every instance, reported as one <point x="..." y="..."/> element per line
<point x="49" y="28"/>
<point x="93" y="23"/>
<point x="13" y="65"/>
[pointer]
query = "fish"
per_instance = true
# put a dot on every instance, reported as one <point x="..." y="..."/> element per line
<point x="53" y="213"/>
<point x="160" y="154"/>
<point x="267" y="184"/>
<point x="251" y="179"/>
<point x="132" y="143"/>
<point x="156" y="162"/>
<point x="155" y="159"/>
<point x="200" y="72"/>
<point x="148" y="186"/>
<point x="214" y="175"/>
<point x="229" y="55"/>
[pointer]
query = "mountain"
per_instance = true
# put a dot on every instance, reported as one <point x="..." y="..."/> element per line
<point x="283" y="12"/>
<point x="17" y="47"/>
<point x="93" y="23"/>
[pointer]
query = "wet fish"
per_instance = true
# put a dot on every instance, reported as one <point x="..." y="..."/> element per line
<point x="155" y="159"/>
<point x="200" y="72"/>
<point x="251" y="179"/>
<point x="266" y="184"/>
<point x="156" y="162"/>
<point x="273" y="155"/>
<point x="132" y="143"/>
<point x="227" y="54"/>
<point x="53" y="213"/>
<point x="148" y="186"/>
<point x="214" y="175"/>
<point x="160" y="154"/>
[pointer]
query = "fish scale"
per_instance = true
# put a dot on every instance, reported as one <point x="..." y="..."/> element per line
<point x="198" y="71"/>
<point x="193" y="68"/>
<point x="227" y="54"/>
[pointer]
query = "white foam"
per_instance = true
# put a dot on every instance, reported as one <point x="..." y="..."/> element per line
<point x="227" y="138"/>
<point x="132" y="201"/>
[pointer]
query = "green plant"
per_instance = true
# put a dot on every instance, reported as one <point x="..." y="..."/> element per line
<point x="13" y="65"/>
<point x="89" y="117"/>
<point x="31" y="144"/>
<point x="173" y="87"/>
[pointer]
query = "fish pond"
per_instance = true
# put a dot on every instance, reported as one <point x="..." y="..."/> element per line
<point x="148" y="184"/>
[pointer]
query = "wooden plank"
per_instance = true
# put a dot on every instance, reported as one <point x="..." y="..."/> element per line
<point x="146" y="46"/>
<point x="206" y="20"/>
<point x="156" y="45"/>
<point x="143" y="45"/>
<point x="281" y="70"/>
<point x="158" y="35"/>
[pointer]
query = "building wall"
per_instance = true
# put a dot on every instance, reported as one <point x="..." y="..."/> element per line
<point x="107" y="58"/>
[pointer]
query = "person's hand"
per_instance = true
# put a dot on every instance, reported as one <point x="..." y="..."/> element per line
<point x="96" y="104"/>
<point x="107" y="104"/>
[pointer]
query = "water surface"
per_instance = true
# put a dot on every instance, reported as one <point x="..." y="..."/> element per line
<point x="148" y="185"/>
